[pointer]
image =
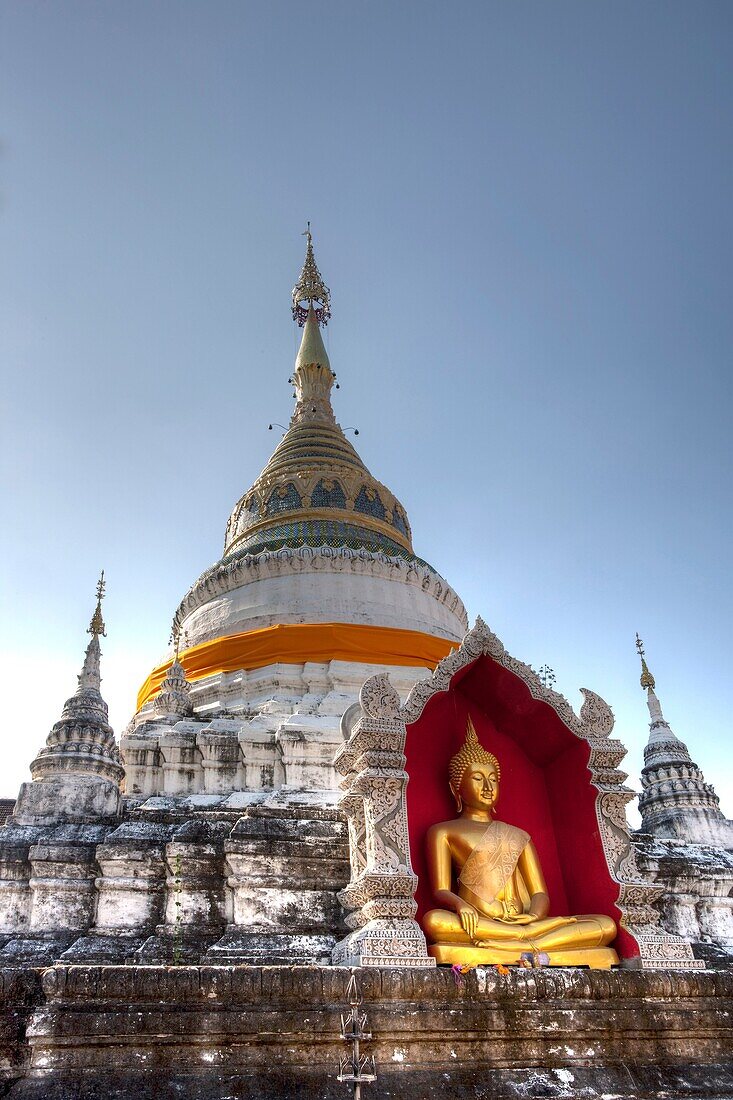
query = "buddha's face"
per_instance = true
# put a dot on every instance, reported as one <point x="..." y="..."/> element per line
<point x="479" y="787"/>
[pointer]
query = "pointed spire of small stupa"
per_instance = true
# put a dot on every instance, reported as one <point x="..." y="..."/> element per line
<point x="89" y="676"/>
<point x="675" y="801"/>
<point x="647" y="680"/>
<point x="96" y="626"/>
<point x="660" y="732"/>
<point x="311" y="289"/>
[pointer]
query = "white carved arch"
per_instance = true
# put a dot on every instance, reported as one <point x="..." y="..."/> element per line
<point x="375" y="749"/>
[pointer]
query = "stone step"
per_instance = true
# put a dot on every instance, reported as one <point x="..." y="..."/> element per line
<point x="189" y="945"/>
<point x="111" y="949"/>
<point x="39" y="950"/>
<point x="239" y="946"/>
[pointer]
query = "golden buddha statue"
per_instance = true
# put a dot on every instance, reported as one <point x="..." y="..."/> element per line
<point x="500" y="910"/>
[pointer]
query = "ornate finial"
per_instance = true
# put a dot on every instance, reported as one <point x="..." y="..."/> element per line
<point x="472" y="752"/>
<point x="177" y="639"/>
<point x="547" y="677"/>
<point x="96" y="626"/>
<point x="646" y="680"/>
<point x="311" y="289"/>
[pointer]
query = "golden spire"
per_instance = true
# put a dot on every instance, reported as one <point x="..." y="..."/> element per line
<point x="646" y="680"/>
<point x="96" y="626"/>
<point x="312" y="349"/>
<point x="310" y="288"/>
<point x="315" y="490"/>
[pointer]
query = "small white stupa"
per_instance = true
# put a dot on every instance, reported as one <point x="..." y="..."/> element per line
<point x="77" y="774"/>
<point x="676" y="801"/>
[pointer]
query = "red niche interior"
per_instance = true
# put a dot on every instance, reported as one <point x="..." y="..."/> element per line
<point x="545" y="786"/>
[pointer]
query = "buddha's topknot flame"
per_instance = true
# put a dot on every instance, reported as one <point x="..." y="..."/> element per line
<point x="471" y="753"/>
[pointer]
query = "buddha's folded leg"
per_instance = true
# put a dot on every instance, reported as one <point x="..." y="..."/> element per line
<point x="585" y="931"/>
<point x="442" y="926"/>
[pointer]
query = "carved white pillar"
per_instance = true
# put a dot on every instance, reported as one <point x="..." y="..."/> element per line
<point x="352" y="805"/>
<point x="15" y="892"/>
<point x="141" y="757"/>
<point x="380" y="895"/>
<point x="220" y="761"/>
<point x="62" y="887"/>
<point x="131" y="886"/>
<point x="182" y="771"/>
<point x="257" y="749"/>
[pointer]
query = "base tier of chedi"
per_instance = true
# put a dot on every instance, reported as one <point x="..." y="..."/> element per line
<point x="245" y="879"/>
<point x="203" y="1033"/>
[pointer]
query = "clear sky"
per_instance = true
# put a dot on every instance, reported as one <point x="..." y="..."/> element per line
<point x="524" y="214"/>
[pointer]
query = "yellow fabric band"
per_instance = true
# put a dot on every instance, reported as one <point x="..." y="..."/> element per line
<point x="297" y="643"/>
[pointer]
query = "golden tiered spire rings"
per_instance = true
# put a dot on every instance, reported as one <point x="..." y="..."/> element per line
<point x="646" y="680"/>
<point x="310" y="291"/>
<point x="96" y="626"/>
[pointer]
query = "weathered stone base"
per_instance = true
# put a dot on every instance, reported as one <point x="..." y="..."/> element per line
<point x="39" y="950"/>
<point x="177" y="882"/>
<point x="200" y="1033"/>
<point x="463" y="1083"/>
<point x="111" y="949"/>
<point x="67" y="798"/>
<point x="171" y="945"/>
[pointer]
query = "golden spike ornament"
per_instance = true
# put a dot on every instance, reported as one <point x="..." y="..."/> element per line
<point x="646" y="680"/>
<point x="310" y="291"/>
<point x="96" y="626"/>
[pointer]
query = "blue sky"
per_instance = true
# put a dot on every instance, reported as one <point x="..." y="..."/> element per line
<point x="523" y="212"/>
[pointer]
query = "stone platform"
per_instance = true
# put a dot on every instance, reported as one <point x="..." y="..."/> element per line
<point x="245" y="878"/>
<point x="246" y="1032"/>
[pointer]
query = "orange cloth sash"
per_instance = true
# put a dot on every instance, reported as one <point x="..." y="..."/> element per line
<point x="296" y="643"/>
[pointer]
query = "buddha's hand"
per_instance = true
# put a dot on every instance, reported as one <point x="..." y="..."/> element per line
<point x="468" y="917"/>
<point x="521" y="918"/>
